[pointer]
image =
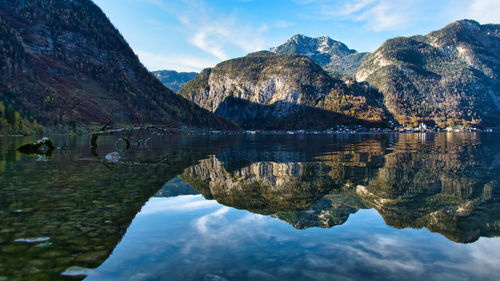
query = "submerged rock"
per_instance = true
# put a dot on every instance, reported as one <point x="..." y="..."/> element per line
<point x="76" y="271"/>
<point x="113" y="157"/>
<point x="32" y="240"/>
<point x="43" y="245"/>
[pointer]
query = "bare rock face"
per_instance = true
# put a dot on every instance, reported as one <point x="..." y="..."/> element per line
<point x="450" y="76"/>
<point x="267" y="91"/>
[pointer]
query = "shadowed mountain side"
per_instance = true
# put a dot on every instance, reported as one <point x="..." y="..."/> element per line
<point x="176" y="187"/>
<point x="83" y="207"/>
<point x="251" y="115"/>
<point x="64" y="65"/>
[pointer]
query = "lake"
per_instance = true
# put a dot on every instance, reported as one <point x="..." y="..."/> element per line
<point x="253" y="207"/>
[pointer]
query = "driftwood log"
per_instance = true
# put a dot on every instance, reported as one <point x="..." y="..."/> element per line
<point x="107" y="130"/>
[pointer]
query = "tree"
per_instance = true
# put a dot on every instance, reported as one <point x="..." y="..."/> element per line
<point x="10" y="115"/>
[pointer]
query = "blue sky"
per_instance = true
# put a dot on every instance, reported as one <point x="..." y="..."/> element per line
<point x="189" y="35"/>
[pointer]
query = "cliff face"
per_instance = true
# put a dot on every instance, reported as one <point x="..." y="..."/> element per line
<point x="334" y="56"/>
<point x="266" y="91"/>
<point x="65" y="65"/>
<point x="450" y="76"/>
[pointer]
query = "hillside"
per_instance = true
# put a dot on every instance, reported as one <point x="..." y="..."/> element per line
<point x="174" y="80"/>
<point x="334" y="56"/>
<point x="267" y="91"/>
<point x="65" y="66"/>
<point x="450" y="76"/>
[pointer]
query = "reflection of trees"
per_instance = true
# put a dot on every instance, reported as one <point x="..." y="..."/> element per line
<point x="444" y="182"/>
<point x="262" y="187"/>
<point x="448" y="188"/>
<point x="297" y="192"/>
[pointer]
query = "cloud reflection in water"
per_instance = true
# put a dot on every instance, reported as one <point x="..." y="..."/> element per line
<point x="190" y="238"/>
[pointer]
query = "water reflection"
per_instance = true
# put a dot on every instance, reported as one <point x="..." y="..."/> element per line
<point x="80" y="206"/>
<point x="203" y="240"/>
<point x="447" y="183"/>
<point x="269" y="208"/>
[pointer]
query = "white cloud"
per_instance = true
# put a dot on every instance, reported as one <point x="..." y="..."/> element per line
<point x="283" y="24"/>
<point x="485" y="11"/>
<point x="210" y="40"/>
<point x="217" y="35"/>
<point x="178" y="62"/>
<point x="355" y="6"/>
<point x="214" y="32"/>
<point x="385" y="15"/>
<point x="376" y="15"/>
<point x="203" y="223"/>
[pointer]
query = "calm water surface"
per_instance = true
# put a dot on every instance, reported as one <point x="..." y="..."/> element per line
<point x="336" y="207"/>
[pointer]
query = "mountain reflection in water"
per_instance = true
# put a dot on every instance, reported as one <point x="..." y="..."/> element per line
<point x="446" y="183"/>
<point x="368" y="192"/>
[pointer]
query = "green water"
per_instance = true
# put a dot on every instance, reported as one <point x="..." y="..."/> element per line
<point x="335" y="207"/>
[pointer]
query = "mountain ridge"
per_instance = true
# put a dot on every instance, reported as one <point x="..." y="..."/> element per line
<point x="66" y="66"/>
<point x="450" y="76"/>
<point x="334" y="56"/>
<point x="174" y="80"/>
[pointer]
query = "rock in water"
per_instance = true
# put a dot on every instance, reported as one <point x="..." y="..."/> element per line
<point x="32" y="240"/>
<point x="43" y="146"/>
<point x="76" y="271"/>
<point x="113" y="157"/>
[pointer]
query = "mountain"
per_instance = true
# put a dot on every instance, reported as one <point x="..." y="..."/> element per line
<point x="450" y="76"/>
<point x="174" y="80"/>
<point x="267" y="91"/>
<point x="65" y="66"/>
<point x="333" y="56"/>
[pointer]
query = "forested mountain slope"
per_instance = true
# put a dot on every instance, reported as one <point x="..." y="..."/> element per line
<point x="64" y="65"/>
<point x="450" y="76"/>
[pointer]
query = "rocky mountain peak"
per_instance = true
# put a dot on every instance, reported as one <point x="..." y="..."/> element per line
<point x="334" y="56"/>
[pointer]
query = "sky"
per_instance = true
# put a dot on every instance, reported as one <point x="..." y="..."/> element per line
<point x="189" y="35"/>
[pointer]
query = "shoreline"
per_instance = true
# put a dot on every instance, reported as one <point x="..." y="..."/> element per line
<point x="286" y="133"/>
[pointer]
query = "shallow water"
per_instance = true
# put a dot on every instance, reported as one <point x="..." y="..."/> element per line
<point x="334" y="207"/>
